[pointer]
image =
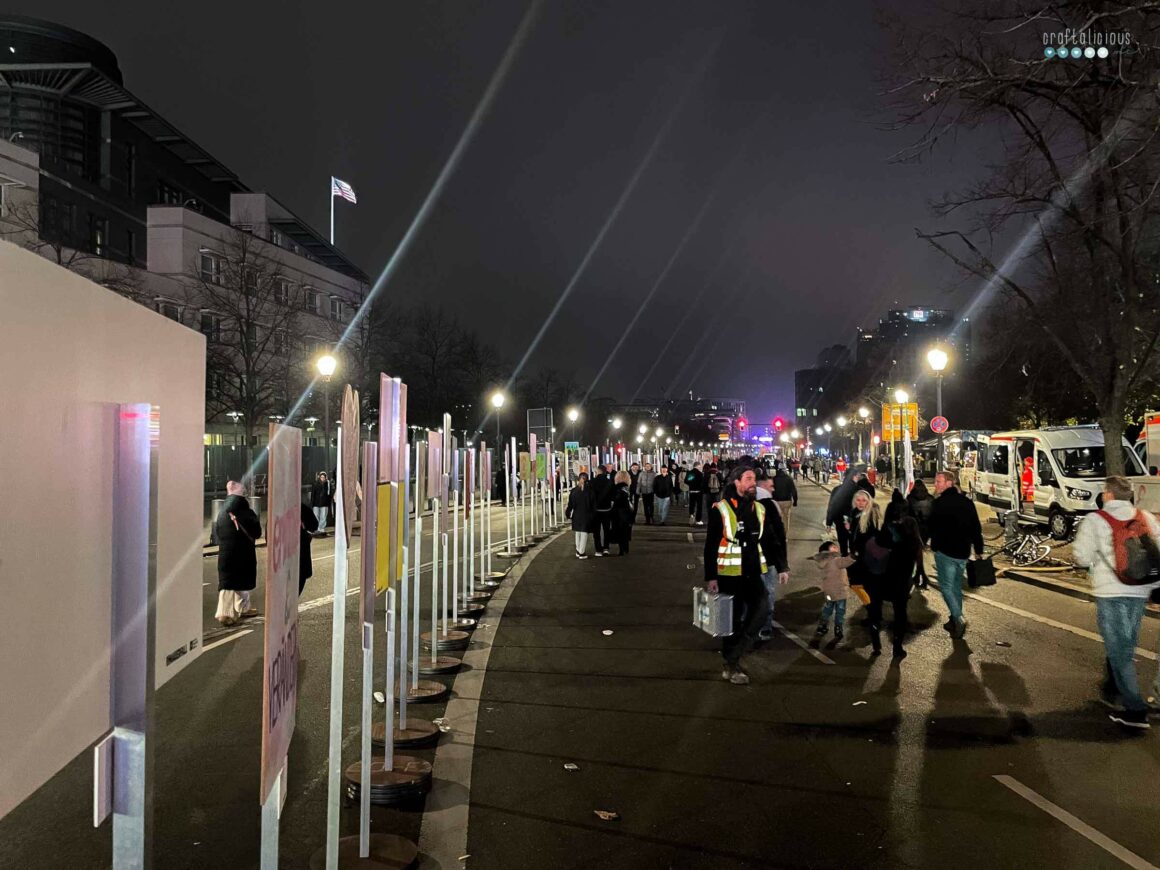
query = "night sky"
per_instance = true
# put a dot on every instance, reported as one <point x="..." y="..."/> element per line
<point x="809" y="232"/>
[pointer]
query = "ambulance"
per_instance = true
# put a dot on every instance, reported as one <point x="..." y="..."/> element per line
<point x="1067" y="472"/>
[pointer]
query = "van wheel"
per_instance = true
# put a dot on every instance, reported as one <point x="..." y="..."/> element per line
<point x="1060" y="525"/>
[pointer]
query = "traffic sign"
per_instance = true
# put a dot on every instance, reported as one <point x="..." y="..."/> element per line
<point x="939" y="425"/>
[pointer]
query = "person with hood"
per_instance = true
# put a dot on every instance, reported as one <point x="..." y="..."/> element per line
<point x="663" y="490"/>
<point x="778" y="573"/>
<point x="695" y="482"/>
<point x="835" y="587"/>
<point x="237" y="529"/>
<point x="919" y="503"/>
<point x="622" y="512"/>
<point x="739" y="546"/>
<point x="579" y="511"/>
<point x="321" y="498"/>
<point x="601" y="487"/>
<point x="308" y="525"/>
<point x="839" y="507"/>
<point x="897" y="508"/>
<point x="644" y="490"/>
<point x="785" y="494"/>
<point x="900" y="539"/>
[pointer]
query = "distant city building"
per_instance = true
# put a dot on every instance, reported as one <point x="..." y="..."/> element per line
<point x="94" y="179"/>
<point x="895" y="350"/>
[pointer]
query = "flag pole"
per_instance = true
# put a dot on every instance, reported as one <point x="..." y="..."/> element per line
<point x="332" y="211"/>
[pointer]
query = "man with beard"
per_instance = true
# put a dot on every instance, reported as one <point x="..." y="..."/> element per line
<point x="739" y="546"/>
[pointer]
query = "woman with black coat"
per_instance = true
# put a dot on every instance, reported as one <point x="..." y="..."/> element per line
<point x="579" y="511"/>
<point x="897" y="508"/>
<point x="920" y="502"/>
<point x="622" y="511"/>
<point x="905" y="548"/>
<point x="309" y="527"/>
<point x="237" y="530"/>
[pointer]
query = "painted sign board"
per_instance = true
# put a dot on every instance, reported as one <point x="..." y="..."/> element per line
<point x="350" y="453"/>
<point x="280" y="663"/>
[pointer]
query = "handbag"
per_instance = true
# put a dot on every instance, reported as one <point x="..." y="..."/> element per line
<point x="859" y="590"/>
<point x="981" y="572"/>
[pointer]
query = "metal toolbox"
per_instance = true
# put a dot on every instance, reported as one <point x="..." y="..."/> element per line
<point x="713" y="614"/>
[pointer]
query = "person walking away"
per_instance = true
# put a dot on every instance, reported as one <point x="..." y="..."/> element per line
<point x="739" y="544"/>
<point x="680" y="485"/>
<point x="308" y="525"/>
<point x="882" y="467"/>
<point x="695" y="482"/>
<point x="1120" y="547"/>
<point x="644" y="488"/>
<point x="778" y="563"/>
<point x="579" y="511"/>
<point x="835" y="587"/>
<point x="902" y="539"/>
<point x="663" y="490"/>
<point x="897" y="508"/>
<point x="634" y="473"/>
<point x="839" y="507"/>
<point x="785" y="495"/>
<point x="237" y="530"/>
<point x="321" y="498"/>
<point x="919" y="502"/>
<point x="622" y="512"/>
<point x="713" y="485"/>
<point x="954" y="530"/>
<point x="818" y="465"/>
<point x="601" y="487"/>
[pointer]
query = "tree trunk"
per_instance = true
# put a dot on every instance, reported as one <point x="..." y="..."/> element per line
<point x="1113" y="425"/>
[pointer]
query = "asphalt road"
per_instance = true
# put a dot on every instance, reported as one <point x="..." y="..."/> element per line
<point x="849" y="761"/>
<point x="789" y="771"/>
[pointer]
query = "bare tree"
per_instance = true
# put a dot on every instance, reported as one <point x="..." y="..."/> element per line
<point x="249" y="312"/>
<point x="1077" y="183"/>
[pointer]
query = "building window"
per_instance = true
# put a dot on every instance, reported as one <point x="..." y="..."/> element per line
<point x="130" y="246"/>
<point x="169" y="308"/>
<point x="249" y="279"/>
<point x="211" y="326"/>
<point x="281" y="291"/>
<point x="167" y="194"/>
<point x="277" y="238"/>
<point x="213" y="384"/>
<point x="335" y="308"/>
<point x="211" y="268"/>
<point x="131" y="170"/>
<point x="98" y="234"/>
<point x="281" y="342"/>
<point x="310" y="299"/>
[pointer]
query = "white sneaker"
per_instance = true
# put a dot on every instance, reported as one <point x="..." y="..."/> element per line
<point x="598" y="554"/>
<point x="739" y="678"/>
<point x="581" y="556"/>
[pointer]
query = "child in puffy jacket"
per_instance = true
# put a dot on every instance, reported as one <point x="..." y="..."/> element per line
<point x="835" y="587"/>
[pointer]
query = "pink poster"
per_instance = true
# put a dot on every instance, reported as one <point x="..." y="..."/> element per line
<point x="388" y="436"/>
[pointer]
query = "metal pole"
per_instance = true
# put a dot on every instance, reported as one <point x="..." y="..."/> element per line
<point x="404" y="584"/>
<point x="435" y="542"/>
<point x="941" y="453"/>
<point x="454" y="563"/>
<point x="332" y="210"/>
<point x="337" y="649"/>
<point x="389" y="737"/>
<point x="417" y="565"/>
<point x="326" y="417"/>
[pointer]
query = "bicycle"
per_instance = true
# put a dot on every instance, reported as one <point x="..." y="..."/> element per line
<point x="1025" y="548"/>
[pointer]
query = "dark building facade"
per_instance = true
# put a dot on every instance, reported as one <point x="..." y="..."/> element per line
<point x="105" y="157"/>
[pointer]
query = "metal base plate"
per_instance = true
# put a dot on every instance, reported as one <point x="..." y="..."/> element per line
<point x="387" y="850"/>
<point x="448" y="640"/>
<point x="426" y="691"/>
<point x="441" y="665"/>
<point x="419" y="732"/>
<point x="472" y="611"/>
<point x="480" y="596"/>
<point x="514" y="552"/>
<point x="409" y="778"/>
<point x="487" y="584"/>
<point x="491" y="575"/>
<point x="461" y="624"/>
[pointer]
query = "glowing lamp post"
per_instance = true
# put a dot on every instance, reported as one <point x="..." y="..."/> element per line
<point x="938" y="359"/>
<point x="497" y="400"/>
<point x="326" y="364"/>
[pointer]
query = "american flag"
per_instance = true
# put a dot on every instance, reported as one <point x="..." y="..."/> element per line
<point x="341" y="188"/>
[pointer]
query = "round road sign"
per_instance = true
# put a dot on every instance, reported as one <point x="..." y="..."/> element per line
<point x="939" y="425"/>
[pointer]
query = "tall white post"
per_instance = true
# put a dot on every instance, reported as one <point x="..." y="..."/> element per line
<point x="389" y="738"/>
<point x="454" y="563"/>
<point x="435" y="543"/>
<point x="417" y="564"/>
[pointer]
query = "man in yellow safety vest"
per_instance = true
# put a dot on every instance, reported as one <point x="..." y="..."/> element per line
<point x="739" y="545"/>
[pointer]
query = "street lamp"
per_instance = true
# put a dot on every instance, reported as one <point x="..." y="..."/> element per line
<point x="660" y="431"/>
<point x="901" y="396"/>
<point x="828" y="428"/>
<point x="938" y="359"/>
<point x="497" y="400"/>
<point x="326" y="365"/>
<point x="864" y="413"/>
<point x="617" y="423"/>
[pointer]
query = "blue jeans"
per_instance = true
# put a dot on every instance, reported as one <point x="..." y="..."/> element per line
<point x="662" y="508"/>
<point x="835" y="608"/>
<point x="769" y="578"/>
<point x="950" y="582"/>
<point x="1118" y="620"/>
<point x="320" y="514"/>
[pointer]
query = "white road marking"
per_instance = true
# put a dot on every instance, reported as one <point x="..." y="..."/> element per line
<point x="1044" y="620"/>
<point x="227" y="639"/>
<point x="1078" y="825"/>
<point x="825" y="660"/>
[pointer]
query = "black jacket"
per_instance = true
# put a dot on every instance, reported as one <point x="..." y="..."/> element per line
<point x="841" y="500"/>
<point x="622" y="513"/>
<point x="771" y="542"/>
<point x="663" y="486"/>
<point x="784" y="489"/>
<point x="695" y="480"/>
<point x="320" y="494"/>
<point x="920" y="508"/>
<point x="305" y="566"/>
<point x="955" y="526"/>
<point x="237" y="556"/>
<point x="601" y="487"/>
<point x="579" y="509"/>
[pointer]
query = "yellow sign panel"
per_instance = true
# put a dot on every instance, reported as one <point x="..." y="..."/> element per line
<point x="384" y="540"/>
<point x="896" y="418"/>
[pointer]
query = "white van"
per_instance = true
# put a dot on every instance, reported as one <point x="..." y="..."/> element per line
<point x="1068" y="471"/>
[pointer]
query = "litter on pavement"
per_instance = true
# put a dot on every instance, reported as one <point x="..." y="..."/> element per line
<point x="859" y="703"/>
<point x="607" y="632"/>
<point x="607" y="815"/>
<point x="1002" y="643"/>
<point x="380" y="697"/>
<point x="570" y="766"/>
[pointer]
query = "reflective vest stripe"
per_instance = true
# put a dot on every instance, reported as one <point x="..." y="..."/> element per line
<point x="729" y="550"/>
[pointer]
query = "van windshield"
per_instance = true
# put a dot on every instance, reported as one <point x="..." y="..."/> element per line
<point x="1088" y="462"/>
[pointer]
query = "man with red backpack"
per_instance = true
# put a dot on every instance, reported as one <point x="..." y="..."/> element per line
<point x="1120" y="547"/>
